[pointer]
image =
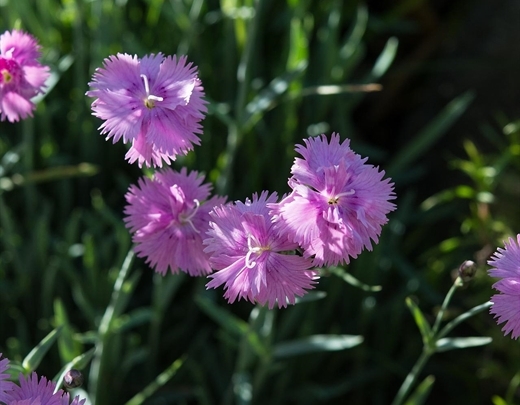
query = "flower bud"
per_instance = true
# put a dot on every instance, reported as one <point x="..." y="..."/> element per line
<point x="467" y="270"/>
<point x="72" y="379"/>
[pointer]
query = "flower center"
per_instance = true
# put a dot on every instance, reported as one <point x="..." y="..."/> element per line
<point x="335" y="198"/>
<point x="185" y="218"/>
<point x="9" y="71"/>
<point x="253" y="250"/>
<point x="150" y="99"/>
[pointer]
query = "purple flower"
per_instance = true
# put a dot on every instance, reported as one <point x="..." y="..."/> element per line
<point x="34" y="391"/>
<point x="251" y="258"/>
<point x="21" y="75"/>
<point x="155" y="103"/>
<point x="169" y="216"/>
<point x="506" y="305"/>
<point x="5" y="385"/>
<point x="338" y="203"/>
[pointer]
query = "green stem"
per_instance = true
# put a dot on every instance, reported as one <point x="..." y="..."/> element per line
<point x="161" y="379"/>
<point x="461" y="318"/>
<point x="412" y="377"/>
<point x="96" y="368"/>
<point x="440" y="315"/>
<point x="429" y="347"/>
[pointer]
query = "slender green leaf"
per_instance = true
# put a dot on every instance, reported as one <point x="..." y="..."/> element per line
<point x="69" y="347"/>
<point x="316" y="344"/>
<point x="137" y="317"/>
<point x="461" y="318"/>
<point x="349" y="278"/>
<point x="421" y="393"/>
<point x="385" y="59"/>
<point x="497" y="400"/>
<point x="446" y="344"/>
<point x="266" y="99"/>
<point x="424" y="140"/>
<point x="233" y="325"/>
<point x="420" y="320"/>
<point x="311" y="296"/>
<point x="159" y="381"/>
<point x="33" y="359"/>
<point x="225" y="319"/>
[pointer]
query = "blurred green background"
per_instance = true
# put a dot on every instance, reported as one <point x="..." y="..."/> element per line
<point x="428" y="90"/>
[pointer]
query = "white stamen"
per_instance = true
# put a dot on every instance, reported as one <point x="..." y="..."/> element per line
<point x="251" y="263"/>
<point x="345" y="194"/>
<point x="147" y="89"/>
<point x="192" y="214"/>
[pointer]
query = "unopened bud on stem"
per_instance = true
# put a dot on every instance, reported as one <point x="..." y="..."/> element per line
<point x="72" y="379"/>
<point x="467" y="270"/>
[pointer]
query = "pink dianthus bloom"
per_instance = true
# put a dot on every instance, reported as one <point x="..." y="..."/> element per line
<point x="21" y="75"/>
<point x="506" y="305"/>
<point x="156" y="103"/>
<point x="5" y="385"/>
<point x="32" y="391"/>
<point x="338" y="203"/>
<point x="252" y="259"/>
<point x="169" y="216"/>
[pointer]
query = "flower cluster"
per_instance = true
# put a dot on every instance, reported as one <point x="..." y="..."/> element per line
<point x="31" y="390"/>
<point x="155" y="103"/>
<point x="21" y="75"/>
<point x="506" y="305"/>
<point x="264" y="250"/>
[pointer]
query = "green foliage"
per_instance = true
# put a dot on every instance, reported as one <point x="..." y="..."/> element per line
<point x="275" y="72"/>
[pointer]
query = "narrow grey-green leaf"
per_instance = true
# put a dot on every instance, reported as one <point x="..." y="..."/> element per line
<point x="461" y="318"/>
<point x="385" y="59"/>
<point x="67" y="346"/>
<point x="33" y="359"/>
<point x="421" y="393"/>
<point x="311" y="296"/>
<point x="159" y="381"/>
<point x="423" y="141"/>
<point x="446" y="344"/>
<point x="224" y="318"/>
<point x="266" y="99"/>
<point x="349" y="278"/>
<point x="132" y="319"/>
<point x="315" y="343"/>
<point x="420" y="320"/>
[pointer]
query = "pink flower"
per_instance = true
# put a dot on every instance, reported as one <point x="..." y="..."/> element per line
<point x="34" y="391"/>
<point x="21" y="75"/>
<point x="506" y="305"/>
<point x="251" y="258"/>
<point x="5" y="385"/>
<point x="338" y="203"/>
<point x="169" y="216"/>
<point x="155" y="103"/>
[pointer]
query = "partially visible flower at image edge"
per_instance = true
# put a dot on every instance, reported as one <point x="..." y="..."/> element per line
<point x="168" y="217"/>
<point x="252" y="259"/>
<point x="155" y="103"/>
<point x="5" y="385"/>
<point x="32" y="390"/>
<point x="506" y="305"/>
<point x="21" y="75"/>
<point x="338" y="202"/>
